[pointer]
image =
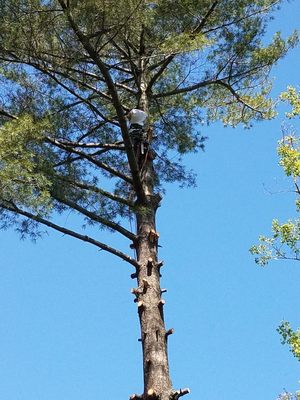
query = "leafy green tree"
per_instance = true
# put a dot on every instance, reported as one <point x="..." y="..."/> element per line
<point x="284" y="244"/>
<point x="71" y="71"/>
<point x="285" y="240"/>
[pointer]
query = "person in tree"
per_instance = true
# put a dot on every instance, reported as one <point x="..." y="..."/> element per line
<point x="138" y="134"/>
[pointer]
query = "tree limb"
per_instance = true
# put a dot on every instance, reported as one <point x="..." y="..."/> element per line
<point x="7" y="114"/>
<point x="207" y="83"/>
<point x="115" y="100"/>
<point x="96" y="189"/>
<point x="97" y="218"/>
<point x="92" y="145"/>
<point x="202" y="23"/>
<point x="91" y="159"/>
<point x="13" y="208"/>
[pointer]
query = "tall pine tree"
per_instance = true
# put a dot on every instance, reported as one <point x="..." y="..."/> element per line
<point x="70" y="73"/>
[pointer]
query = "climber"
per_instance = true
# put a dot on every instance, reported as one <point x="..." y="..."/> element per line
<point x="137" y="119"/>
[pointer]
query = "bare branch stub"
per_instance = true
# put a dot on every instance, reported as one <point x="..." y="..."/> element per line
<point x="152" y="395"/>
<point x="136" y="397"/>
<point x="179" y="393"/>
<point x="170" y="332"/>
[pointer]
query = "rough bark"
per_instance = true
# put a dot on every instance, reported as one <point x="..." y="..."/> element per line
<point x="157" y="382"/>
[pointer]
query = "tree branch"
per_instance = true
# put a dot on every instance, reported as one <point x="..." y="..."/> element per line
<point x="185" y="89"/>
<point x="207" y="83"/>
<point x="115" y="100"/>
<point x="92" y="145"/>
<point x="161" y="70"/>
<point x="91" y="159"/>
<point x="7" y="114"/>
<point x="13" y="208"/>
<point x="170" y="58"/>
<point x="95" y="189"/>
<point x="97" y="218"/>
<point x="202" y="23"/>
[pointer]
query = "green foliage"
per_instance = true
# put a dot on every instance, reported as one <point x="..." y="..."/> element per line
<point x="289" y="153"/>
<point x="184" y="42"/>
<point x="284" y="243"/>
<point x="285" y="240"/>
<point x="200" y="61"/>
<point x="22" y="180"/>
<point x="293" y="98"/>
<point x="290" y="337"/>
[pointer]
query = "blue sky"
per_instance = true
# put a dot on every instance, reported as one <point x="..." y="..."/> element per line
<point x="68" y="324"/>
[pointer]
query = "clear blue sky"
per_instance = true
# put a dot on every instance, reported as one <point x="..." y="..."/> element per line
<point x="68" y="324"/>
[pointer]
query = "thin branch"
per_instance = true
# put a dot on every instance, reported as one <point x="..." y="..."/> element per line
<point x="237" y="96"/>
<point x="8" y="115"/>
<point x="161" y="70"/>
<point x="92" y="145"/>
<point x="98" y="33"/>
<point x="95" y="189"/>
<point x="205" y="18"/>
<point x="236" y="21"/>
<point x="91" y="159"/>
<point x="185" y="89"/>
<point x="13" y="208"/>
<point x="170" y="58"/>
<point x="97" y="218"/>
<point x="207" y="83"/>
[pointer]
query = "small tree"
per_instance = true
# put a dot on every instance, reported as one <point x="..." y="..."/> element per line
<point x="70" y="73"/>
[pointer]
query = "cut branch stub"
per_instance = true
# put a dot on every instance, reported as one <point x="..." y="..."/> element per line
<point x="135" y="397"/>
<point x="161" y="302"/>
<point x="140" y="290"/>
<point x="152" y="395"/>
<point x="170" y="332"/>
<point x="134" y="275"/>
<point x="180" y="393"/>
<point x="163" y="291"/>
<point x="137" y="291"/>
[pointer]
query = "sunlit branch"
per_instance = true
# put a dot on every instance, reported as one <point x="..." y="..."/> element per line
<point x="92" y="145"/>
<point x="7" y="114"/>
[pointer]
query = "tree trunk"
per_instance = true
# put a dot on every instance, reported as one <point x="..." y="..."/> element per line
<point x="150" y="304"/>
<point x="157" y="382"/>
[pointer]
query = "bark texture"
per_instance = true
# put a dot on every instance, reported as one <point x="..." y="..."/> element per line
<point x="149" y="300"/>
